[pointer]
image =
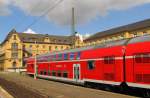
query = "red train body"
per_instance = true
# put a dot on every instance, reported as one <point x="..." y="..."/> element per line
<point x="125" y="61"/>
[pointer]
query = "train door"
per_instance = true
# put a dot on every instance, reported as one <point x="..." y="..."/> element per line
<point x="76" y="72"/>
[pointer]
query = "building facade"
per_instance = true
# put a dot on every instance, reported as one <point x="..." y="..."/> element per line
<point x="128" y="31"/>
<point x="18" y="46"/>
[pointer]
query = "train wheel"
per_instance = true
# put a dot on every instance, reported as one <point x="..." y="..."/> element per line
<point x="124" y="88"/>
<point x="146" y="93"/>
<point x="88" y="85"/>
<point x="116" y="89"/>
<point x="107" y="88"/>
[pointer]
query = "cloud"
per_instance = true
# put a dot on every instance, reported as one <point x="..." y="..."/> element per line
<point x="85" y="10"/>
<point x="30" y="31"/>
<point x="4" y="10"/>
<point x="83" y="37"/>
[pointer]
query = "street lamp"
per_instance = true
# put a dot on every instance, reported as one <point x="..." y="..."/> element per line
<point x="35" y="63"/>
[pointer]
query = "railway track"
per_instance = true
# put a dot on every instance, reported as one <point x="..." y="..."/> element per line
<point x="21" y="86"/>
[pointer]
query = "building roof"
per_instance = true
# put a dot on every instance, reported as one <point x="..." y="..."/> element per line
<point x="129" y="27"/>
<point x="39" y="38"/>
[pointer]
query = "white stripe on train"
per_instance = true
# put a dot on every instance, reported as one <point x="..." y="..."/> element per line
<point x="138" y="85"/>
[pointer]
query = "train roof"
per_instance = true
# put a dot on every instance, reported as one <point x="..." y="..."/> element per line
<point x="104" y="45"/>
<point x="139" y="39"/>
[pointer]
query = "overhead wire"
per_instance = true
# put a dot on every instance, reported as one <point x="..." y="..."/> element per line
<point x="45" y="13"/>
<point x="24" y="18"/>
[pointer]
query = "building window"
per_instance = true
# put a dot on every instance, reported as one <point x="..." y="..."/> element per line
<point x="67" y="47"/>
<point x="14" y="64"/>
<point x="37" y="46"/>
<point x="50" y="48"/>
<point x="24" y="46"/>
<point x="47" y="38"/>
<point x="14" y="46"/>
<point x="56" y="48"/>
<point x="24" y="55"/>
<point x="62" y="47"/>
<point x="91" y="65"/>
<point x="30" y="46"/>
<point x="134" y="34"/>
<point x="15" y="37"/>
<point x="109" y="60"/>
<point x="14" y="53"/>
<point x="145" y="32"/>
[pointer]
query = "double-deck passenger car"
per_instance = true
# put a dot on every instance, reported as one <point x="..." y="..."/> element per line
<point x="113" y="63"/>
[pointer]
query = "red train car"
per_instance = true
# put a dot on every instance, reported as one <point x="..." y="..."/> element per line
<point x="115" y="63"/>
<point x="137" y="64"/>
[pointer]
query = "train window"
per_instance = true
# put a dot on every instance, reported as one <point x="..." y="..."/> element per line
<point x="78" y="55"/>
<point x="59" y="74"/>
<point x="53" y="73"/>
<point x="45" y="73"/>
<point x="49" y="73"/>
<point x="146" y="58"/>
<point x="109" y="60"/>
<point x="66" y="56"/>
<point x="138" y="58"/>
<point x="91" y="65"/>
<point x="54" y="57"/>
<point x="59" y="56"/>
<point x="65" y="74"/>
<point x="41" y="72"/>
<point x="72" y="55"/>
<point x="49" y="58"/>
<point x="142" y="58"/>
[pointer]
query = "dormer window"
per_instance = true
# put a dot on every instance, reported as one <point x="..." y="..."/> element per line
<point x="46" y="39"/>
<point x="65" y="40"/>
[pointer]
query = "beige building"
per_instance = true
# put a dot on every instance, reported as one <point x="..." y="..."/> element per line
<point x="128" y="31"/>
<point x="18" y="46"/>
